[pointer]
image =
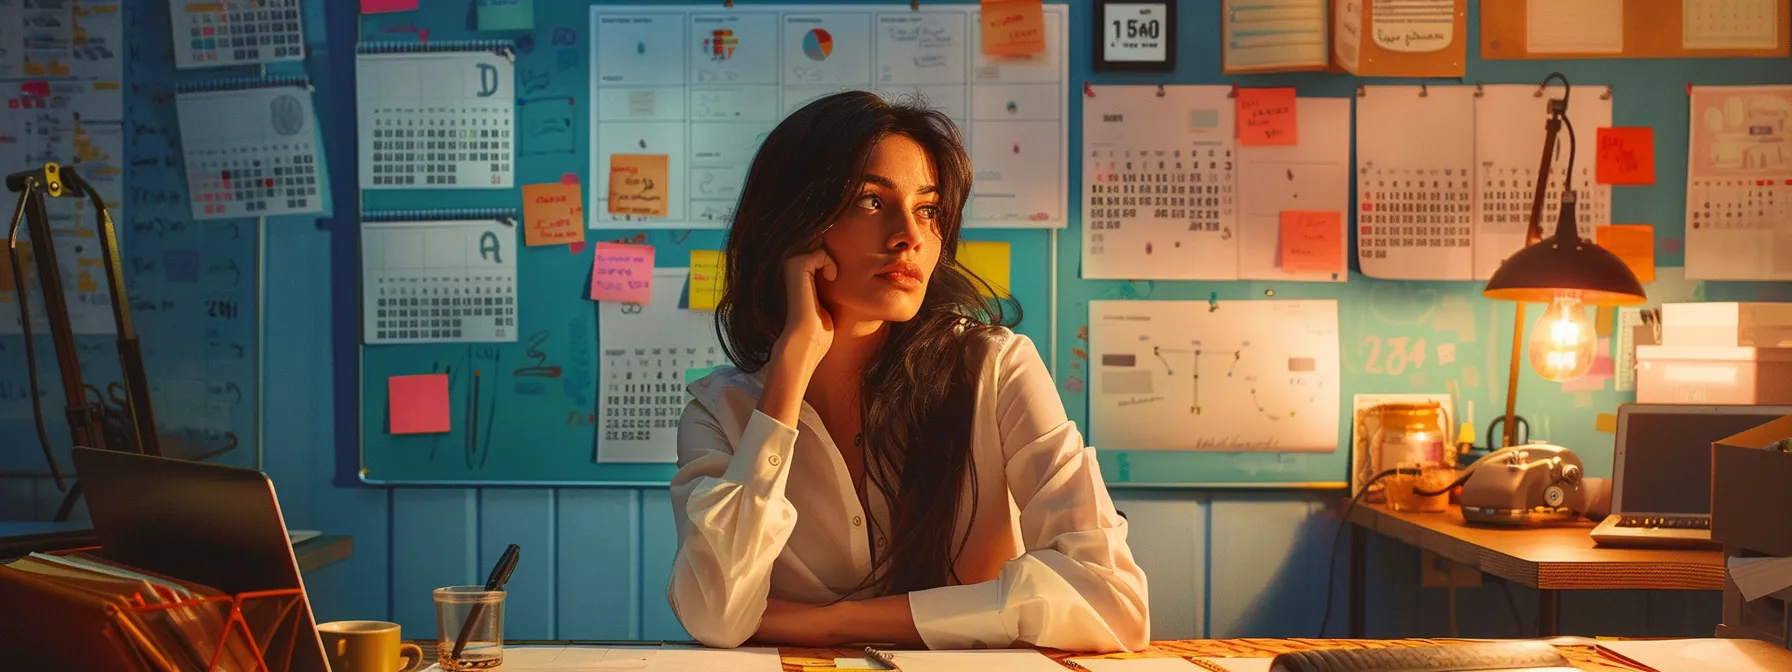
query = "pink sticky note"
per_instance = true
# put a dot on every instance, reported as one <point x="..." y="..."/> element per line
<point x="418" y="404"/>
<point x="622" y="273"/>
<point x="569" y="178"/>
<point x="379" y="6"/>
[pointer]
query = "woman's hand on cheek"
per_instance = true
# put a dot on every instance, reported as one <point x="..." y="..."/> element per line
<point x="808" y="327"/>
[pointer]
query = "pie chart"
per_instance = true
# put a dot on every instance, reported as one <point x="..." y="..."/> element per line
<point x="818" y="44"/>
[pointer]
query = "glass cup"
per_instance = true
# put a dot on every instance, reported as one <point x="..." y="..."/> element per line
<point x="473" y="618"/>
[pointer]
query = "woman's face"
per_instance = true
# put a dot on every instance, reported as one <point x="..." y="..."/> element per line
<point x="887" y="242"/>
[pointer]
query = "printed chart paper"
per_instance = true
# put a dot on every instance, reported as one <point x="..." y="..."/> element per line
<point x="1729" y="24"/>
<point x="1158" y="179"/>
<point x="1739" y="184"/>
<point x="250" y="152"/>
<point x="1311" y="176"/>
<point x="438" y="281"/>
<point x="1509" y="132"/>
<point x="704" y="86"/>
<point x="436" y="120"/>
<point x="1574" y="26"/>
<point x="1415" y="190"/>
<point x="1267" y="35"/>
<point x="1257" y="376"/>
<point x="236" y="32"/>
<point x="646" y="352"/>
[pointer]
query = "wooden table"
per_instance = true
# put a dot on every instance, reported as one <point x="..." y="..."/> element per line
<point x="1586" y="658"/>
<point x="1551" y="554"/>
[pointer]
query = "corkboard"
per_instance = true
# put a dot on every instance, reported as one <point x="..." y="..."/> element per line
<point x="1652" y="29"/>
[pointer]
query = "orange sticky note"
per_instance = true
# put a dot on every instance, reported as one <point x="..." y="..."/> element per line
<point x="1266" y="117"/>
<point x="1312" y="241"/>
<point x="418" y="404"/>
<point x="1013" y="27"/>
<point x="1634" y="243"/>
<point x="1626" y="156"/>
<point x="638" y="184"/>
<point x="554" y="214"/>
<point x="622" y="273"/>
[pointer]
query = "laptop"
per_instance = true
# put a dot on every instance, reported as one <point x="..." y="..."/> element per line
<point x="1661" y="472"/>
<point x="214" y="525"/>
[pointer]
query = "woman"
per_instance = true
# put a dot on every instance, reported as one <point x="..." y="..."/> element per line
<point x="885" y="462"/>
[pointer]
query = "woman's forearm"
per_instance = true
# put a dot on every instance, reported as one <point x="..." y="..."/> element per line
<point x="880" y="620"/>
<point x="786" y="381"/>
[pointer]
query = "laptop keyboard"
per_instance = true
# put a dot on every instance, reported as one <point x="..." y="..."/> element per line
<point x="1667" y="522"/>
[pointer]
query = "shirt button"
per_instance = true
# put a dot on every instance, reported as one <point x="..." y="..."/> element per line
<point x="775" y="460"/>
<point x="880" y="542"/>
<point x="857" y="521"/>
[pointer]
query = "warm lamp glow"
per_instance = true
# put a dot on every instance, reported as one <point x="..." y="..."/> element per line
<point x="1562" y="342"/>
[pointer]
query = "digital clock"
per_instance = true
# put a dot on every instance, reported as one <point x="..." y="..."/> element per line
<point x="1135" y="36"/>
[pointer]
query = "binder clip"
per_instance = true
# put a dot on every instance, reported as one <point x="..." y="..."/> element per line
<point x="1479" y="89"/>
<point x="1361" y="92"/>
<point x="1607" y="95"/>
<point x="1088" y="91"/>
<point x="1213" y="301"/>
<point x="914" y="5"/>
<point x="1424" y="90"/>
<point x="1234" y="92"/>
<point x="1689" y="89"/>
<point x="1160" y="90"/>
<point x="728" y="4"/>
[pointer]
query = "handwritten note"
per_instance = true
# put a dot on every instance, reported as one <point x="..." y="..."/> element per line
<point x="1626" y="156"/>
<point x="554" y="214"/>
<point x="989" y="261"/>
<point x="622" y="273"/>
<point x="707" y="281"/>
<point x="1634" y="243"/>
<point x="380" y="6"/>
<point x="638" y="184"/>
<point x="418" y="404"/>
<point x="1266" y="117"/>
<point x="1312" y="241"/>
<point x="1013" y="27"/>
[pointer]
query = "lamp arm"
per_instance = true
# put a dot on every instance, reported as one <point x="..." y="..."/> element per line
<point x="1558" y="116"/>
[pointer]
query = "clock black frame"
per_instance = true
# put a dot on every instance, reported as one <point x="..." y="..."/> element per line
<point x="1098" y="54"/>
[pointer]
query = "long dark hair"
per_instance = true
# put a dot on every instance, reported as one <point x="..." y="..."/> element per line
<point x="918" y="392"/>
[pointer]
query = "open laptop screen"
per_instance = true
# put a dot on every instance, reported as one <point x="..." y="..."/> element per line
<point x="1666" y="460"/>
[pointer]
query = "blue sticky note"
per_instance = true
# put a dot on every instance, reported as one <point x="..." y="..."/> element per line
<point x="181" y="265"/>
<point x="506" y="14"/>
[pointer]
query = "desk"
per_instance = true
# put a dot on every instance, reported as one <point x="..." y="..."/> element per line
<point x="801" y="660"/>
<point x="1551" y="556"/>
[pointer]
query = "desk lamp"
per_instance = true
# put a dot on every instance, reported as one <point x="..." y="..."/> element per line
<point x="1569" y="273"/>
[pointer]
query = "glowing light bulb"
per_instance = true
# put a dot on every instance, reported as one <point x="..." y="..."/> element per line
<point x="1562" y="342"/>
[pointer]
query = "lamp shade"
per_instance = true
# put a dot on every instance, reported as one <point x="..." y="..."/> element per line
<point x="1537" y="273"/>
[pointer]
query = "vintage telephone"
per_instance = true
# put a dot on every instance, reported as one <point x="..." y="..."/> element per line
<point x="1508" y="484"/>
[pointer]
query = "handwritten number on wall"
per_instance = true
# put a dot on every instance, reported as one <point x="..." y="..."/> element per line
<point x="1401" y="353"/>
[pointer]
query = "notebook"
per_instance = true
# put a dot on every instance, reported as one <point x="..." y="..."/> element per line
<point x="1690" y="655"/>
<point x="1135" y="664"/>
<point x="1007" y="660"/>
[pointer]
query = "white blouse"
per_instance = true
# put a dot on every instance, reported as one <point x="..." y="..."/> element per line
<point x="1047" y="563"/>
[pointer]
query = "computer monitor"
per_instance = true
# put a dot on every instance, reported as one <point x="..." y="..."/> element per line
<point x="210" y="524"/>
<point x="1663" y="457"/>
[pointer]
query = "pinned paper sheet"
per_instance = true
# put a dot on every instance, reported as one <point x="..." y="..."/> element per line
<point x="506" y="14"/>
<point x="1634" y="243"/>
<point x="381" y="6"/>
<point x="622" y="273"/>
<point x="418" y="404"/>
<point x="990" y="261"/>
<point x="1312" y="241"/>
<point x="1626" y="156"/>
<point x="554" y="214"/>
<point x="1266" y="117"/>
<point x="1013" y="27"/>
<point x="638" y="184"/>
<point x="707" y="281"/>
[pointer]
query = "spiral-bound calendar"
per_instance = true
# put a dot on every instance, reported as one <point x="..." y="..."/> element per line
<point x="439" y="117"/>
<point x="251" y="148"/>
<point x="236" y="32"/>
<point x="649" y="353"/>
<point x="438" y="276"/>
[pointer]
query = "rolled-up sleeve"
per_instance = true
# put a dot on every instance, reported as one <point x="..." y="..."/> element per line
<point x="733" y="520"/>
<point x="1077" y="587"/>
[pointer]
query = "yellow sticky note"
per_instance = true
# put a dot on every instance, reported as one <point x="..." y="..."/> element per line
<point x="1013" y="27"/>
<point x="1634" y="243"/>
<point x="1606" y="422"/>
<point x="1602" y="320"/>
<point x="707" y="281"/>
<point x="988" y="260"/>
<point x="638" y="184"/>
<point x="553" y="214"/>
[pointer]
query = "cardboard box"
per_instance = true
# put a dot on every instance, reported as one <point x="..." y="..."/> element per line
<point x="1671" y="374"/>
<point x="1751" y="490"/>
<point x="1727" y="324"/>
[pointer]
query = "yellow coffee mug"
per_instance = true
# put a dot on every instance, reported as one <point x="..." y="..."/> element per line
<point x="367" y="646"/>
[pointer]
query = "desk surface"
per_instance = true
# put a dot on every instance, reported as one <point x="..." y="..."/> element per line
<point x="1586" y="658"/>
<point x="1552" y="554"/>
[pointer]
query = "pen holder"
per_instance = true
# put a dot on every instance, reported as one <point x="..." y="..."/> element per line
<point x="469" y="628"/>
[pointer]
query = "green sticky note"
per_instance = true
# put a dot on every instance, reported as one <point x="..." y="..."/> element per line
<point x="506" y="14"/>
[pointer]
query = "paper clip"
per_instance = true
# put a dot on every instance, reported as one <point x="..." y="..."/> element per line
<point x="1160" y="90"/>
<point x="1424" y="90"/>
<point x="1361" y="92"/>
<point x="1213" y="301"/>
<point x="1479" y="89"/>
<point x="1088" y="91"/>
<point x="1607" y="95"/>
